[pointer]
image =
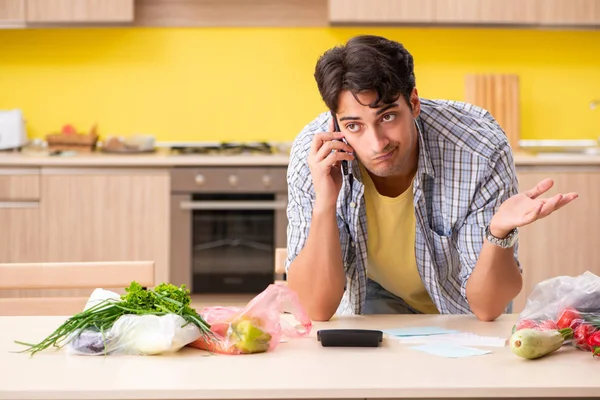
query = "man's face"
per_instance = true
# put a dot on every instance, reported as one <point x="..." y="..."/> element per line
<point x="382" y="138"/>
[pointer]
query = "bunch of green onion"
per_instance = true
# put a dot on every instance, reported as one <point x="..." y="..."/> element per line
<point x="164" y="299"/>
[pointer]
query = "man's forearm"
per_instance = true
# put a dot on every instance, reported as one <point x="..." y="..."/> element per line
<point x="317" y="274"/>
<point x="494" y="282"/>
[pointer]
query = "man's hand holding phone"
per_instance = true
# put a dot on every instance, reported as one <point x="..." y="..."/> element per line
<point x="326" y="153"/>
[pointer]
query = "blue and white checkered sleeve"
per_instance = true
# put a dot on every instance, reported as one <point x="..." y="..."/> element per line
<point x="500" y="184"/>
<point x="300" y="198"/>
<point x="301" y="194"/>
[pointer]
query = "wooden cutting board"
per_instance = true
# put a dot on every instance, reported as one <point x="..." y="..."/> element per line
<point x="499" y="94"/>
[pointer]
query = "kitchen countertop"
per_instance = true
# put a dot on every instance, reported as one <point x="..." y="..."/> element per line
<point x="157" y="159"/>
<point x="166" y="159"/>
<point x="300" y="368"/>
<point x="556" y="159"/>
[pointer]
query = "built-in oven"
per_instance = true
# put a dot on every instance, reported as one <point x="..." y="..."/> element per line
<point x="226" y="223"/>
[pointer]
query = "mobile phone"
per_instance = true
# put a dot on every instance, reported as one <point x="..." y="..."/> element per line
<point x="336" y="128"/>
<point x="349" y="337"/>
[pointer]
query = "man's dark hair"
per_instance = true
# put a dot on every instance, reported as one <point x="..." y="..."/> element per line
<point x="366" y="63"/>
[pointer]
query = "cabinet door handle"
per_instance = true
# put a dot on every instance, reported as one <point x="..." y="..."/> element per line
<point x="19" y="204"/>
<point x="233" y="205"/>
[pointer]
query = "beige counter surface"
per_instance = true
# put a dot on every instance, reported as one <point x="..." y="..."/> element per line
<point x="159" y="159"/>
<point x="298" y="369"/>
<point x="165" y="159"/>
<point x="556" y="159"/>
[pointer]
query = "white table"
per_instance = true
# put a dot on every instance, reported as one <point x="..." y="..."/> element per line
<point x="300" y="368"/>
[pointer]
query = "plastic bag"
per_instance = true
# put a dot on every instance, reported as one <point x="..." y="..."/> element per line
<point x="566" y="302"/>
<point x="258" y="327"/>
<point x="133" y="334"/>
<point x="136" y="335"/>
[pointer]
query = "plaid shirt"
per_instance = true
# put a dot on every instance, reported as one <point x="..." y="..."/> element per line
<point x="465" y="171"/>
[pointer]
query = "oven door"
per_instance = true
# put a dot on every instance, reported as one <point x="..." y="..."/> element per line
<point x="225" y="242"/>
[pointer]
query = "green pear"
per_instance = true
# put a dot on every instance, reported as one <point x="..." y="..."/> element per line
<point x="249" y="338"/>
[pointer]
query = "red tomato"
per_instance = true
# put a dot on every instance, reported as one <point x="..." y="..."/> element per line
<point x="569" y="318"/>
<point x="548" y="325"/>
<point x="69" y="130"/>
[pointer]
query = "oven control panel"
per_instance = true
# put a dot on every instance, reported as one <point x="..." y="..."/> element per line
<point x="229" y="179"/>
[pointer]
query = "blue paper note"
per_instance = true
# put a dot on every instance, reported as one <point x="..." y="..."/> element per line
<point x="450" y="350"/>
<point x="418" y="331"/>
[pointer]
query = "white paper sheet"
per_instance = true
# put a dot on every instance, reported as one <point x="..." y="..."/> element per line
<point x="450" y="350"/>
<point x="462" y="338"/>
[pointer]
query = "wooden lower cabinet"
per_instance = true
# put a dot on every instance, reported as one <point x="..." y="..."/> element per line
<point x="106" y="215"/>
<point x="20" y="236"/>
<point x="566" y="242"/>
<point x="123" y="214"/>
<point x="95" y="214"/>
<point x="19" y="215"/>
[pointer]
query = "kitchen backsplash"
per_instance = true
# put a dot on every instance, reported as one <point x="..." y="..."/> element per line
<point x="257" y="84"/>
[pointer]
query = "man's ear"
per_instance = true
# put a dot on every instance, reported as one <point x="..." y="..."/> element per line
<point x="415" y="103"/>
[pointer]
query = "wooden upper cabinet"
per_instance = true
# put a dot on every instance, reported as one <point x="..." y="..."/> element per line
<point x="12" y="12"/>
<point x="517" y="12"/>
<point x="564" y="13"/>
<point x="381" y="11"/>
<point x="231" y="13"/>
<point x="79" y="11"/>
<point x="569" y="12"/>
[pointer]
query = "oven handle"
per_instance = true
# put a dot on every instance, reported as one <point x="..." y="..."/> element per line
<point x="233" y="205"/>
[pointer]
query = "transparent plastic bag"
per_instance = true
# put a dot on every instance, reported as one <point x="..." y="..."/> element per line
<point x="566" y="302"/>
<point x="132" y="334"/>
<point x="136" y="335"/>
<point x="259" y="326"/>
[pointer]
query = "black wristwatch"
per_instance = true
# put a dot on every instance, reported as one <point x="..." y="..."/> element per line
<point x="505" y="243"/>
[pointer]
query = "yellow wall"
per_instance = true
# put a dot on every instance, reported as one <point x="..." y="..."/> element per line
<point x="257" y="84"/>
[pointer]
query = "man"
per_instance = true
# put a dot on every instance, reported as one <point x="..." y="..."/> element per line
<point x="426" y="219"/>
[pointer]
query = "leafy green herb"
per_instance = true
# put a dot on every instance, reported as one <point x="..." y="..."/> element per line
<point x="164" y="299"/>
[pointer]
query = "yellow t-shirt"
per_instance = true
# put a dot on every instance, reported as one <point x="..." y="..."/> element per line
<point x="391" y="246"/>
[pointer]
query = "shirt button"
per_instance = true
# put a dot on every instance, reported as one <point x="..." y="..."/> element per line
<point x="353" y="204"/>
